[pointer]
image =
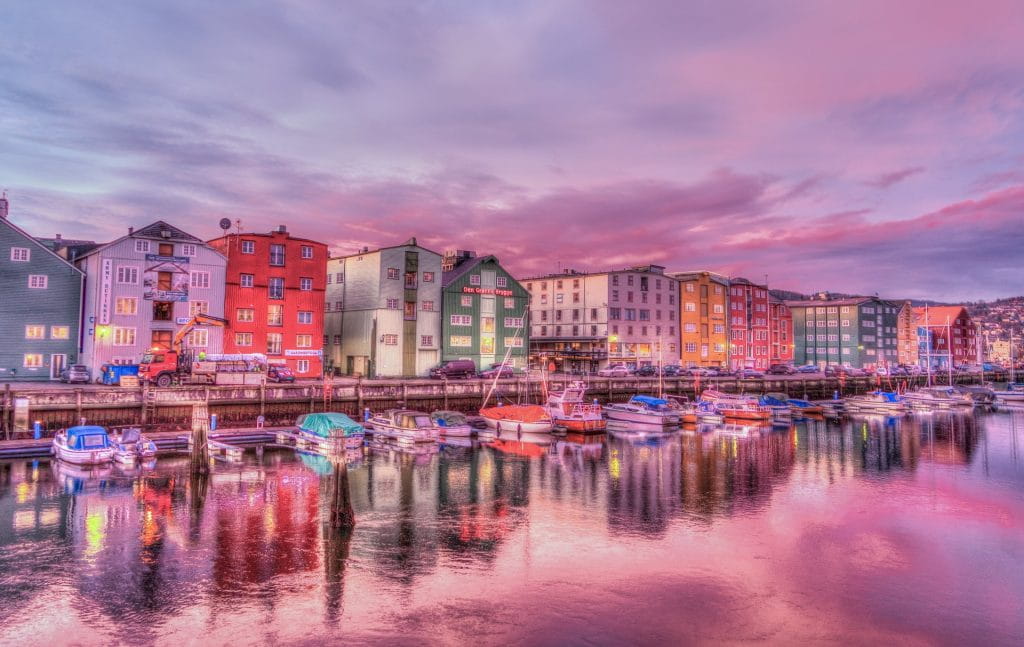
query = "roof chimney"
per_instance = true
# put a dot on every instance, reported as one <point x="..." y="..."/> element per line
<point x="131" y="230"/>
<point x="4" y="205"/>
<point x="281" y="229"/>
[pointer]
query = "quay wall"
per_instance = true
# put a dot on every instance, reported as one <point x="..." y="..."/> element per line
<point x="280" y="404"/>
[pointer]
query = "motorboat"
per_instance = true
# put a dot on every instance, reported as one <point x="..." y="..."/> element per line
<point x="876" y="402"/>
<point x="691" y="413"/>
<point x="524" y="418"/>
<point x="1014" y="394"/>
<point x="805" y="407"/>
<point x="981" y="394"/>
<point x="83" y="445"/>
<point x="778" y="403"/>
<point x="329" y="432"/>
<point x="744" y="411"/>
<point x="131" y="447"/>
<point x="571" y="412"/>
<point x="938" y="397"/>
<point x="644" y="410"/>
<point x="406" y="425"/>
<point x="452" y="424"/>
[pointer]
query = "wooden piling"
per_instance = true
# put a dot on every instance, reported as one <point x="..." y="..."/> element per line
<point x="200" y="452"/>
<point x="340" y="514"/>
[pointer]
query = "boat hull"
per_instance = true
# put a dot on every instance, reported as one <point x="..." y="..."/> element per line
<point x="520" y="426"/>
<point x="585" y="426"/>
<point x="642" y="417"/>
<point x="83" y="457"/>
<point x="400" y="433"/>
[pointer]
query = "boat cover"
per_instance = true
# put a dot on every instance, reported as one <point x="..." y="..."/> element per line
<point x="448" y="418"/>
<point x="889" y="396"/>
<point x="88" y="437"/>
<point x="326" y="425"/>
<point x="649" y="401"/>
<point x="517" y="412"/>
<point x="770" y="401"/>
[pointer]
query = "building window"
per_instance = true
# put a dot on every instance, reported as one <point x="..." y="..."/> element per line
<point x="474" y="279"/>
<point x="302" y="366"/>
<point x="329" y="278"/>
<point x="243" y="339"/>
<point x="513" y="322"/>
<point x="244" y="315"/>
<point x="392" y="304"/>
<point x="460" y="341"/>
<point x="127" y="274"/>
<point x="275" y="287"/>
<point x="339" y="305"/>
<point x="126" y="306"/>
<point x="199" y="338"/>
<point x="200" y="279"/>
<point x="60" y="332"/>
<point x="691" y="347"/>
<point x="502" y="282"/>
<point x="393" y="273"/>
<point x="248" y="247"/>
<point x="690" y="306"/>
<point x="427" y="341"/>
<point x="305" y="317"/>
<point x="124" y="336"/>
<point x="427" y="306"/>
<point x="391" y="339"/>
<point x="307" y="251"/>
<point x="277" y="255"/>
<point x="188" y="250"/>
<point x="327" y="306"/>
<point x="163" y="311"/>
<point x="275" y="315"/>
<point x="337" y="340"/>
<point x="409" y="314"/>
<point x="543" y="331"/>
<point x="718" y="309"/>
<point x="461" y="320"/>
<point x="274" y="343"/>
<point x="38" y="281"/>
<point x="245" y="280"/>
<point x="305" y="284"/>
<point x="615" y="279"/>
<point x="22" y="254"/>
<point x="690" y="327"/>
<point x="35" y="332"/>
<point x="339" y="277"/>
<point x="410" y="280"/>
<point x="198" y="307"/>
<point x="142" y="246"/>
<point x="32" y="360"/>
<point x="428" y="277"/>
<point x="510" y="303"/>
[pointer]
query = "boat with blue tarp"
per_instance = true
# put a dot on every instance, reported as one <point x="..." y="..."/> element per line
<point x="644" y="410"/>
<point x="329" y="431"/>
<point x="83" y="445"/>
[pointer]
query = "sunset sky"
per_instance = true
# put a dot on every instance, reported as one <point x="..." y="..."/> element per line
<point x="869" y="146"/>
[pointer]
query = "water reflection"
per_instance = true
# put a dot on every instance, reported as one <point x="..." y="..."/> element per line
<point x="163" y="555"/>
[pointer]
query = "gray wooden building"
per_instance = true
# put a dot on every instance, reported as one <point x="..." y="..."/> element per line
<point x="41" y="311"/>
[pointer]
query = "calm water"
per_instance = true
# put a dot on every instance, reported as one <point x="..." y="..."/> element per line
<point x="872" y="532"/>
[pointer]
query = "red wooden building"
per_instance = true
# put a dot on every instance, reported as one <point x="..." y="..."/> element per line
<point x="274" y="298"/>
<point x="748" y="325"/>
<point x="951" y="334"/>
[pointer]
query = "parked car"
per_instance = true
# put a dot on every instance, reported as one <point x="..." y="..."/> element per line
<point x="498" y="370"/>
<point x="647" y="371"/>
<point x="673" y="370"/>
<point x="453" y="369"/>
<point x="749" y="373"/>
<point x="699" y="370"/>
<point x="781" y="369"/>
<point x="75" y="374"/>
<point x="808" y="368"/>
<point x="614" y="370"/>
<point x="280" y="374"/>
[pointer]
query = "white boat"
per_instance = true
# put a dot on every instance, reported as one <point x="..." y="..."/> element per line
<point x="131" y="447"/>
<point x="876" y="402"/>
<point x="83" y="445"/>
<point x="570" y="411"/>
<point x="452" y="424"/>
<point x="328" y="433"/>
<point x="405" y="424"/>
<point x="645" y="410"/>
<point x="938" y="397"/>
<point x="522" y="418"/>
<point x="1014" y="394"/>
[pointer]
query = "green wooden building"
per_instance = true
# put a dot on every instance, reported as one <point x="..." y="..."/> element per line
<point x="484" y="312"/>
<point x="861" y="332"/>
<point x="42" y="307"/>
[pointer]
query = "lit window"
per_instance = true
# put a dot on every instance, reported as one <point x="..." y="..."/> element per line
<point x="21" y="254"/>
<point x="243" y="315"/>
<point x="243" y="339"/>
<point x="35" y="332"/>
<point x="126" y="306"/>
<point x="124" y="336"/>
<point x="275" y="315"/>
<point x="303" y="341"/>
<point x="33" y="360"/>
<point x="60" y="332"/>
<point x="275" y="342"/>
<point x="200" y="338"/>
<point x="198" y="307"/>
<point x="38" y="281"/>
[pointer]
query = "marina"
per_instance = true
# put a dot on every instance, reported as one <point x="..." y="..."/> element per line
<point x="503" y="532"/>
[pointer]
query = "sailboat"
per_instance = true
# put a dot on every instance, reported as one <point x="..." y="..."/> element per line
<point x="520" y="418"/>
<point x="1014" y="393"/>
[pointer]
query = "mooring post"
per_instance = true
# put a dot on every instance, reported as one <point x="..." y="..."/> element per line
<point x="78" y="404"/>
<point x="359" y="394"/>
<point x="200" y="451"/>
<point x="341" y="514"/>
<point x="263" y="399"/>
<point x="6" y="419"/>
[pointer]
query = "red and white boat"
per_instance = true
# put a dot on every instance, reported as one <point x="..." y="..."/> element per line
<point x="570" y="411"/>
<point x="522" y="418"/>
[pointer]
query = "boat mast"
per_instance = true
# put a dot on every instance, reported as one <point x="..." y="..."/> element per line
<point x="504" y="361"/>
<point x="928" y="345"/>
<point x="1013" y="376"/>
<point x="949" y="351"/>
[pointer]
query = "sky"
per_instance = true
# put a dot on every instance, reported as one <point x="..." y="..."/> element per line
<point x="860" y="147"/>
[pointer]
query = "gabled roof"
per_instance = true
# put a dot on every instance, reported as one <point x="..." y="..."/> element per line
<point x="409" y="243"/>
<point x="815" y="303"/>
<point x="464" y="267"/>
<point x="18" y="230"/>
<point x="151" y="232"/>
<point x="692" y="275"/>
<point x="937" y="315"/>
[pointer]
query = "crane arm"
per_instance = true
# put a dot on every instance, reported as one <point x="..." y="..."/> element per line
<point x="200" y="319"/>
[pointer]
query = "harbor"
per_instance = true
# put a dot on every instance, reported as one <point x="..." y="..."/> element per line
<point x="514" y="529"/>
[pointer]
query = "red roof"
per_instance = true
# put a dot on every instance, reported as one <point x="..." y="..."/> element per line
<point x="937" y="314"/>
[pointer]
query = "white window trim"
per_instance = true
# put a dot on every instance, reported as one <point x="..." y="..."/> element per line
<point x="15" y="253"/>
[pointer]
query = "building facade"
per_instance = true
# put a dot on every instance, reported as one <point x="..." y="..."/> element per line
<point x="703" y="322"/>
<point x="142" y="288"/>
<point x="946" y="336"/>
<point x="780" y="322"/>
<point x="584" y="322"/>
<point x="274" y="298"/>
<point x="749" y="343"/>
<point x="484" y="312"/>
<point x="42" y="306"/>
<point x="860" y="332"/>
<point x="906" y="332"/>
<point x="383" y="312"/>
